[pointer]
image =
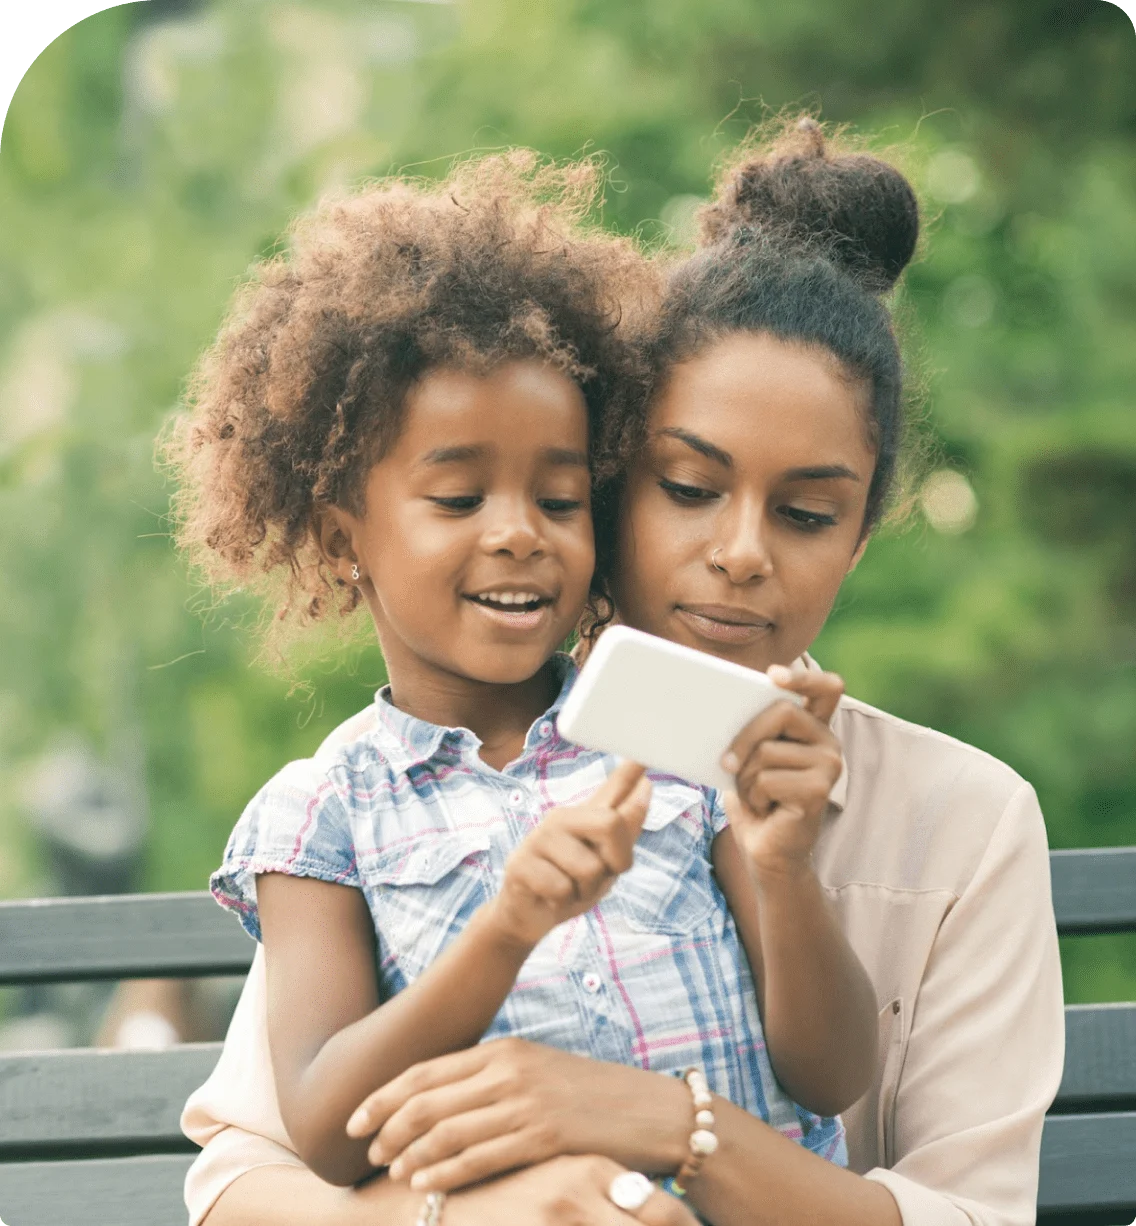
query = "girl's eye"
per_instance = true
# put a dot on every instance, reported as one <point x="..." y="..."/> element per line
<point x="463" y="502"/>
<point x="559" y="506"/>
<point x="809" y="521"/>
<point x="686" y="493"/>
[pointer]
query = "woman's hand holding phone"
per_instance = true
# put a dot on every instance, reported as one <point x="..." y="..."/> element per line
<point x="785" y="762"/>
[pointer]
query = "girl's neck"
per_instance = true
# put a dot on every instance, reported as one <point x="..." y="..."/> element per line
<point x="498" y="715"/>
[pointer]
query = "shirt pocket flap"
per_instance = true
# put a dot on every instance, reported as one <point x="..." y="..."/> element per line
<point x="670" y="801"/>
<point x="426" y="860"/>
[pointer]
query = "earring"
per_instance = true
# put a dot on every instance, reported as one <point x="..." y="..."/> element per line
<point x="355" y="571"/>
<point x="715" y="564"/>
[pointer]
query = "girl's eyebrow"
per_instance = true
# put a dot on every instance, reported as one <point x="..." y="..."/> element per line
<point x="452" y="455"/>
<point x="566" y="455"/>
<point x="697" y="443"/>
<point x="461" y="455"/>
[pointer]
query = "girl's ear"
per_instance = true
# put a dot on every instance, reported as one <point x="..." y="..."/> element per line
<point x="858" y="554"/>
<point x="335" y="530"/>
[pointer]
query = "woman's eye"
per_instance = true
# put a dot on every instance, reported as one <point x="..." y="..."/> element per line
<point x="686" y="493"/>
<point x="559" y="506"/>
<point x="462" y="502"/>
<point x="809" y="520"/>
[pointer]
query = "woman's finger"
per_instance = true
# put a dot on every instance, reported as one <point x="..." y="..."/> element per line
<point x="794" y="789"/>
<point x="423" y="1112"/>
<point x="480" y="1161"/>
<point x="377" y="1108"/>
<point x="783" y="720"/>
<point x="452" y="1136"/>
<point x="821" y="691"/>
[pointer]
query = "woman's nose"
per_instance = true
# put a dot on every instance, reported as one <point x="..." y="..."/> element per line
<point x="742" y="551"/>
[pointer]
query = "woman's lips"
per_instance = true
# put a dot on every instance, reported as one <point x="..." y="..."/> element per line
<point x="723" y="623"/>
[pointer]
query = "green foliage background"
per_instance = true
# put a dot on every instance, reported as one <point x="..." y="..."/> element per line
<point x="155" y="149"/>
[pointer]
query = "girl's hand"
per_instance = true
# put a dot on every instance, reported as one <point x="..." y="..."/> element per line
<point x="464" y="1117"/>
<point x="569" y="862"/>
<point x="785" y="761"/>
<point x="561" y="1192"/>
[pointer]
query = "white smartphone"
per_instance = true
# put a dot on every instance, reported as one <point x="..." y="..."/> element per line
<point x="669" y="707"/>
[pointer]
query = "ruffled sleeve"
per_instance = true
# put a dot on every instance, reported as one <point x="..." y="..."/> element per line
<point x="296" y="824"/>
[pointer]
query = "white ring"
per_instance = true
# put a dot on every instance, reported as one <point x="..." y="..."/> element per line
<point x="630" y="1190"/>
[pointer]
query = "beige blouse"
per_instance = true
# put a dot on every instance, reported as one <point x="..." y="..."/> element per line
<point x="934" y="856"/>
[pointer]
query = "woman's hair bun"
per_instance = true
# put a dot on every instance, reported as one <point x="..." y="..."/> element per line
<point x="861" y="208"/>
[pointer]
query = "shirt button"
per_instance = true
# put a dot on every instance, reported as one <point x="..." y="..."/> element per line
<point x="592" y="982"/>
<point x="545" y="729"/>
<point x="516" y="798"/>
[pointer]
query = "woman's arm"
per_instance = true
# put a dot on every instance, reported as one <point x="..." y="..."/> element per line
<point x="559" y="1103"/>
<point x="818" y="1006"/>
<point x="563" y="1192"/>
<point x="331" y="1041"/>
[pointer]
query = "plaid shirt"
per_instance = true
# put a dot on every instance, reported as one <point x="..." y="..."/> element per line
<point x="407" y="812"/>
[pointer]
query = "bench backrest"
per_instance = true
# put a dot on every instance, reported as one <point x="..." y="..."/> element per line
<point x="91" y="1137"/>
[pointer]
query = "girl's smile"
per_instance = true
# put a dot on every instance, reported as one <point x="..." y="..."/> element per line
<point x="475" y="546"/>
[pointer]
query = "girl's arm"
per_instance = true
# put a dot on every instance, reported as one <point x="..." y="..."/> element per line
<point x="332" y="1042"/>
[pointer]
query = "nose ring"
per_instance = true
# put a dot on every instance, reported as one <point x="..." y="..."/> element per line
<point x="715" y="564"/>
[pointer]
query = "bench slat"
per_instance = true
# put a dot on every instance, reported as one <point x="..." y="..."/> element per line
<point x="138" y="936"/>
<point x="88" y="1102"/>
<point x="1094" y="889"/>
<point x="130" y="936"/>
<point x="105" y="1192"/>
<point x="1087" y="1163"/>
<point x="1100" y="1059"/>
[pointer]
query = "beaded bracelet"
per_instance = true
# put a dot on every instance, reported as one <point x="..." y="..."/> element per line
<point x="703" y="1140"/>
<point x="431" y="1213"/>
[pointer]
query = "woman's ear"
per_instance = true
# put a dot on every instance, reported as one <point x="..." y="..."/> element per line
<point x="335" y="532"/>
<point x="858" y="554"/>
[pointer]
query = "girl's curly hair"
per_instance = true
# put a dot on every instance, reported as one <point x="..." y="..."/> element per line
<point x="303" y="389"/>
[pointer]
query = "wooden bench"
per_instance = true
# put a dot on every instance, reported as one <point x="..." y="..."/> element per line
<point x="91" y="1138"/>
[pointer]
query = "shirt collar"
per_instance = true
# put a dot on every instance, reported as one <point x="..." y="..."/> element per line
<point x="838" y="795"/>
<point x="407" y="741"/>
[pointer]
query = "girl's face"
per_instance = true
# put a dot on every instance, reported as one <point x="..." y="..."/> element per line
<point x="475" y="548"/>
<point x="744" y="513"/>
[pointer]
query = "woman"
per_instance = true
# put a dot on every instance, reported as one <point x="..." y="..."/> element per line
<point x="763" y="457"/>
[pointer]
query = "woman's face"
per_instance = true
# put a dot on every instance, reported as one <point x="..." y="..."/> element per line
<point x="744" y="513"/>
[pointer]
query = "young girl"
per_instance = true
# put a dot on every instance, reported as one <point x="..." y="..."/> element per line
<point x="406" y="405"/>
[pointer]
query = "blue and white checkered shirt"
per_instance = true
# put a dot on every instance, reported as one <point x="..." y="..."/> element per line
<point x="407" y="812"/>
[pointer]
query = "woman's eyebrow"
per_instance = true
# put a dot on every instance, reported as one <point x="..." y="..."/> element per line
<point x="697" y="443"/>
<point x="822" y="472"/>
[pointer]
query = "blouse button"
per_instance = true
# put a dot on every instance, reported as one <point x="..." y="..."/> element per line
<point x="515" y="798"/>
<point x="592" y="982"/>
<point x="545" y="729"/>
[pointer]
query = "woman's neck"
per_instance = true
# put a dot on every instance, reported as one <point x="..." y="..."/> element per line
<point x="499" y="715"/>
